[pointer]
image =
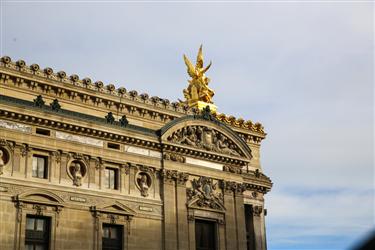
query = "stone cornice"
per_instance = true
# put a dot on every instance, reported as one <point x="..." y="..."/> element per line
<point x="118" y="134"/>
<point x="58" y="84"/>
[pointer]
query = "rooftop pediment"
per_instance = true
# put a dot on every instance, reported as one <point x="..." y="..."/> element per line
<point x="204" y="132"/>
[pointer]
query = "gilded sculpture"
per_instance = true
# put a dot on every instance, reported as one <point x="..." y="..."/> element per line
<point x="198" y="90"/>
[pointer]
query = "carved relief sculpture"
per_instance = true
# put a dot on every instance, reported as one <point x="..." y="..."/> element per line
<point x="77" y="171"/>
<point x="202" y="194"/>
<point x="144" y="183"/>
<point x="205" y="138"/>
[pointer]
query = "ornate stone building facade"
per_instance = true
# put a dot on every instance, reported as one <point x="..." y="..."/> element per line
<point x="88" y="166"/>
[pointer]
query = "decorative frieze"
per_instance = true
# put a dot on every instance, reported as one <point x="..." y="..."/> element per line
<point x="80" y="139"/>
<point x="15" y="126"/>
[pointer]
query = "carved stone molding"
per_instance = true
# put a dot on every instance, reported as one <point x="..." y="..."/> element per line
<point x="169" y="176"/>
<point x="232" y="169"/>
<point x="39" y="209"/>
<point x="230" y="187"/>
<point x="25" y="149"/>
<point x="256" y="210"/>
<point x="174" y="157"/>
<point x="56" y="155"/>
<point x="125" y="168"/>
<point x="182" y="178"/>
<point x="98" y="163"/>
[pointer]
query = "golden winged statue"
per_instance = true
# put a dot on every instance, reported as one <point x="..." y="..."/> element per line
<point x="198" y="90"/>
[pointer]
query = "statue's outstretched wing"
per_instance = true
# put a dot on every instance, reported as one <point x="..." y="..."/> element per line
<point x="190" y="67"/>
<point x="205" y="69"/>
<point x="199" y="63"/>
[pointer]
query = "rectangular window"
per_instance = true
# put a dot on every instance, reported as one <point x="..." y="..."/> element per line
<point x="111" y="178"/>
<point x="205" y="235"/>
<point x="40" y="166"/>
<point x="112" y="237"/>
<point x="41" y="131"/>
<point x="249" y="227"/>
<point x="113" y="146"/>
<point x="37" y="233"/>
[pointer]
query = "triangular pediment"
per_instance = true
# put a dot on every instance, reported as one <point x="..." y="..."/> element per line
<point x="39" y="196"/>
<point x="205" y="135"/>
<point x="212" y="204"/>
<point x="115" y="208"/>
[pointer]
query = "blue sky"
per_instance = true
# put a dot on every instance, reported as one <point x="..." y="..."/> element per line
<point x="305" y="69"/>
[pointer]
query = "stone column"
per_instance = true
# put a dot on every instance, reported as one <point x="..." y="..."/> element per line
<point x="191" y="227"/>
<point x="25" y="160"/>
<point x="230" y="218"/>
<point x="182" y="222"/>
<point x="169" y="199"/>
<point x="240" y="219"/>
<point x="221" y="233"/>
<point x="257" y="212"/>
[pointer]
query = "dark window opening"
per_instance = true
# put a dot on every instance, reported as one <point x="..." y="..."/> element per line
<point x="249" y="222"/>
<point x="112" y="237"/>
<point x="205" y="235"/>
<point x="41" y="131"/>
<point x="40" y="166"/>
<point x="111" y="178"/>
<point x="113" y="146"/>
<point x="37" y="234"/>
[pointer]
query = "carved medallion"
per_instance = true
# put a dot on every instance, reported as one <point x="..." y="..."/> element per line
<point x="77" y="171"/>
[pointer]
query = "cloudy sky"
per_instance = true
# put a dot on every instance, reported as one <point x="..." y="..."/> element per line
<point x="304" y="69"/>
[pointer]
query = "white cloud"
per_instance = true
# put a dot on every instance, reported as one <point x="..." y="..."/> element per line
<point x="305" y="70"/>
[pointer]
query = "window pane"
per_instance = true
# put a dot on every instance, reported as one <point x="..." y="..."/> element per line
<point x="30" y="223"/>
<point x="39" y="224"/>
<point x="41" y="166"/>
<point x="39" y="247"/>
<point x="112" y="178"/>
<point x="106" y="178"/>
<point x="35" y="166"/>
<point x="114" y="233"/>
<point x="105" y="232"/>
<point x="29" y="247"/>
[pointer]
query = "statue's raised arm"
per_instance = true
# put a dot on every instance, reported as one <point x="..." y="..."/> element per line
<point x="198" y="91"/>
